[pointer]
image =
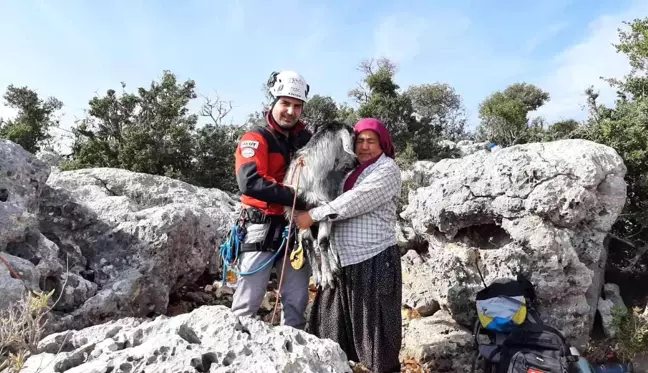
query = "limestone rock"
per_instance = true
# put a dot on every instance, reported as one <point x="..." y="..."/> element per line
<point x="438" y="343"/>
<point x="135" y="237"/>
<point x="540" y="209"/>
<point x="22" y="177"/>
<point x="611" y="299"/>
<point x="209" y="339"/>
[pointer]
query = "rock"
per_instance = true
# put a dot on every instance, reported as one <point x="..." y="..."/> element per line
<point x="613" y="293"/>
<point x="40" y="251"/>
<point x="50" y="158"/>
<point x="540" y="209"/>
<point x="611" y="299"/>
<point x="209" y="339"/>
<point x="417" y="292"/>
<point x="130" y="239"/>
<point x="14" y="289"/>
<point x="408" y="239"/>
<point x="418" y="174"/>
<point x="22" y="177"/>
<point x="438" y="344"/>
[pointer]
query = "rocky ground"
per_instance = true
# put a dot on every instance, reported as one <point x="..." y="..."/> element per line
<point x="133" y="259"/>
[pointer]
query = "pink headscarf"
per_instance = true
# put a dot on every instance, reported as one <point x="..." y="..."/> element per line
<point x="385" y="139"/>
<point x="385" y="144"/>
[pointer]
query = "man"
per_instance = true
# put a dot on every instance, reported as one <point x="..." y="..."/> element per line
<point x="363" y="312"/>
<point x="262" y="157"/>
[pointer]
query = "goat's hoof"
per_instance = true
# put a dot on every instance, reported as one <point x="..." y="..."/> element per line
<point x="328" y="281"/>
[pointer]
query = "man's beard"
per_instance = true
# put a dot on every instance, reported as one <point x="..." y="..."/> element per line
<point x="287" y="121"/>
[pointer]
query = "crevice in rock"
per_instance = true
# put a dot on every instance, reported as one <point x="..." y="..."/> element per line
<point x="105" y="185"/>
<point x="488" y="236"/>
<point x="4" y="195"/>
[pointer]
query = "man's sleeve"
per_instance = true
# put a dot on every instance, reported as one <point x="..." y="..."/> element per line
<point x="378" y="187"/>
<point x="252" y="172"/>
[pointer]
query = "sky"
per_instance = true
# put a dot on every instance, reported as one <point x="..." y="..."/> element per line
<point x="76" y="49"/>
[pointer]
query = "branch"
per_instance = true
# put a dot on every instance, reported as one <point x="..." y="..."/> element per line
<point x="12" y="272"/>
<point x="216" y="109"/>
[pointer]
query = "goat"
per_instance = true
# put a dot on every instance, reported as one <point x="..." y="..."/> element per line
<point x="327" y="158"/>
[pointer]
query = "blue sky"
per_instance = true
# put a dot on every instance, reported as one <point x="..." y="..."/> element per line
<point x="74" y="49"/>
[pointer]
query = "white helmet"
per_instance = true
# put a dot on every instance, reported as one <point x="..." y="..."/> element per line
<point x="288" y="83"/>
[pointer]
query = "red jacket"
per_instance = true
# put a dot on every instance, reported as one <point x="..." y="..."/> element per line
<point x="262" y="157"/>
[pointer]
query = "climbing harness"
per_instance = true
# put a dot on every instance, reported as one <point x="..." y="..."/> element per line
<point x="230" y="249"/>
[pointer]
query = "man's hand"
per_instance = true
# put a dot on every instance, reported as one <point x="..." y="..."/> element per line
<point x="303" y="220"/>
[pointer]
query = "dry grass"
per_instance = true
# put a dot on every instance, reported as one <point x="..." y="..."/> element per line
<point x="22" y="325"/>
<point x="21" y="328"/>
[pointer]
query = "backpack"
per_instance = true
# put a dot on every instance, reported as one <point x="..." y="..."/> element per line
<point x="519" y="342"/>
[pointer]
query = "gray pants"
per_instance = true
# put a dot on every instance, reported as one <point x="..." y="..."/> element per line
<point x="251" y="289"/>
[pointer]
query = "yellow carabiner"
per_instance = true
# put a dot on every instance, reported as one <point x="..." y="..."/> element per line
<point x="297" y="257"/>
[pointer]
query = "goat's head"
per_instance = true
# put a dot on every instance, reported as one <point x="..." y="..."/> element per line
<point x="335" y="142"/>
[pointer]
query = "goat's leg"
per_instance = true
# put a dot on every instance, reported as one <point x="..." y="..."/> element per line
<point x="309" y="245"/>
<point x="329" y="268"/>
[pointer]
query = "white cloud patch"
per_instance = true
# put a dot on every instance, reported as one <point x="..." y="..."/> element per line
<point x="403" y="36"/>
<point x="583" y="64"/>
<point x="543" y="36"/>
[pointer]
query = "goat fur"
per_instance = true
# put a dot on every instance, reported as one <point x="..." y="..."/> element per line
<point x="327" y="158"/>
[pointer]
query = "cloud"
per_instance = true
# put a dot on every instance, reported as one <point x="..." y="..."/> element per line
<point x="404" y="36"/>
<point x="543" y="36"/>
<point x="583" y="64"/>
<point x="398" y="37"/>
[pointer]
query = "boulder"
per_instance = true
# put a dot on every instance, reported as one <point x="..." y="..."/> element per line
<point x="209" y="339"/>
<point x="22" y="177"/>
<point x="540" y="209"/>
<point x="129" y="239"/>
<point x="606" y="306"/>
<point x="438" y="344"/>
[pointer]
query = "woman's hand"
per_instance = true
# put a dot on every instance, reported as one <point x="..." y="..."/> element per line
<point x="303" y="220"/>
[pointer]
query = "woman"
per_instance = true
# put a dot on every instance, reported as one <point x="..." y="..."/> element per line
<point x="363" y="312"/>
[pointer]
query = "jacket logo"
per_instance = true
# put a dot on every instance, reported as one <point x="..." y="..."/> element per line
<point x="247" y="153"/>
<point x="249" y="144"/>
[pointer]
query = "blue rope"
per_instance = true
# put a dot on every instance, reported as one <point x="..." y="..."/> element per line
<point x="230" y="249"/>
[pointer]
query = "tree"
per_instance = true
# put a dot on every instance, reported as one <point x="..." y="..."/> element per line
<point x="379" y="98"/>
<point x="30" y="129"/>
<point x="214" y="146"/>
<point x="319" y="109"/>
<point x="634" y="44"/>
<point x="624" y="127"/>
<point x="505" y="115"/>
<point x="442" y="105"/>
<point x="150" y="131"/>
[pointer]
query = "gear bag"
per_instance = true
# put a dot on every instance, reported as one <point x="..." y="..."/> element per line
<point x="518" y="340"/>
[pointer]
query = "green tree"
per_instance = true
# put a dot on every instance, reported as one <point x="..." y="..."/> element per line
<point x="505" y="115"/>
<point x="634" y="44"/>
<point x="442" y="105"/>
<point x="624" y="127"/>
<point x="150" y="131"/>
<point x="319" y="109"/>
<point x="379" y="97"/>
<point x="30" y="128"/>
